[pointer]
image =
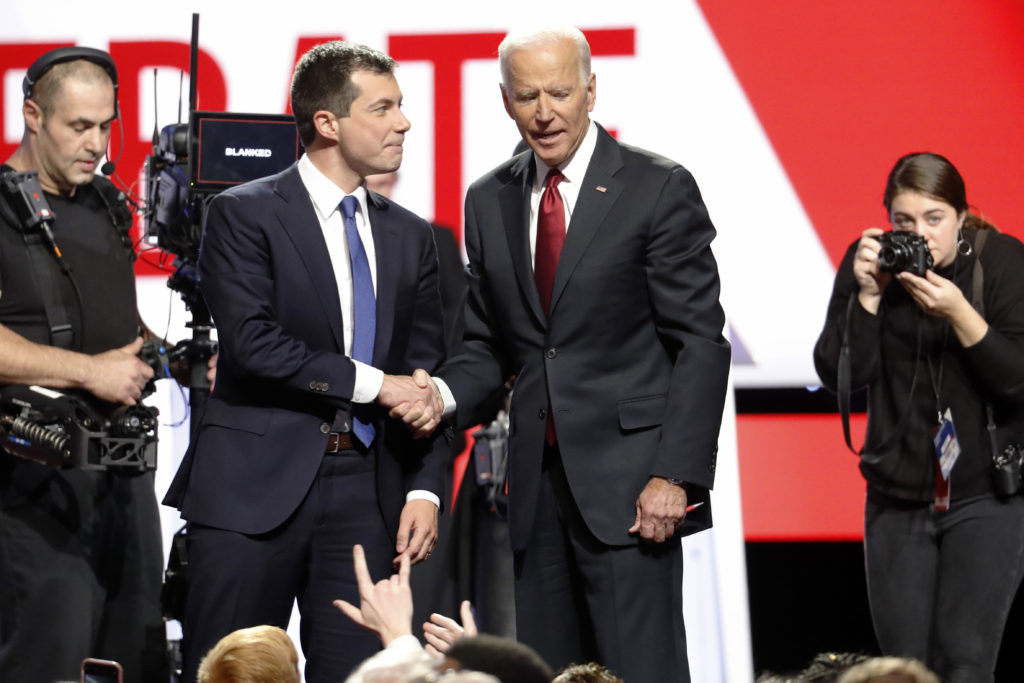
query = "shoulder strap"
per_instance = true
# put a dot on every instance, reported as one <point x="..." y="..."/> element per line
<point x="978" y="302"/>
<point x="116" y="203"/>
<point x="978" y="276"/>
<point x="41" y="255"/>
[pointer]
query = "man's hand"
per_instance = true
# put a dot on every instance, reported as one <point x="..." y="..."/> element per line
<point x="660" y="510"/>
<point x="181" y="371"/>
<point x="417" y="531"/>
<point x="414" y="400"/>
<point x="118" y="375"/>
<point x="211" y="370"/>
<point x="441" y="631"/>
<point x="384" y="608"/>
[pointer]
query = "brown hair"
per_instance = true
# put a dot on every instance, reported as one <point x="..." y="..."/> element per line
<point x="323" y="81"/>
<point x="933" y="175"/>
<point x="46" y="91"/>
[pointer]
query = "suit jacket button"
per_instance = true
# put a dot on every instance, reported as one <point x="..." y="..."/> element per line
<point x="551" y="353"/>
<point x="324" y="428"/>
<point x="325" y="386"/>
<point x="542" y="413"/>
<point x="312" y="386"/>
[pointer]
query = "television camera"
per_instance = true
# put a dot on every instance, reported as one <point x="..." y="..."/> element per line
<point x="191" y="163"/>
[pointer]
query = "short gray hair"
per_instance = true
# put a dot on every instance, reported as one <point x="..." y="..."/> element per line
<point x="519" y="40"/>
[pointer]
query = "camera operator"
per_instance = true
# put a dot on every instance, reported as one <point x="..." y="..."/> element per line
<point x="943" y="542"/>
<point x="80" y="551"/>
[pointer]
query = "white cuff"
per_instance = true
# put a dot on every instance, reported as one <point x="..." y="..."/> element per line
<point x="447" y="397"/>
<point x="368" y="383"/>
<point x="422" y="494"/>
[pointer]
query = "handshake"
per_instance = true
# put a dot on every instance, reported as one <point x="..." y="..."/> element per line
<point x="414" y="400"/>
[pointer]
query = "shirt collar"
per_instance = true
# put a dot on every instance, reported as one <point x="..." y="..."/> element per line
<point x="576" y="167"/>
<point x="326" y="196"/>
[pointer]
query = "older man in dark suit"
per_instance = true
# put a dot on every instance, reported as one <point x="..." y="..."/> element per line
<point x="592" y="282"/>
<point x="322" y="293"/>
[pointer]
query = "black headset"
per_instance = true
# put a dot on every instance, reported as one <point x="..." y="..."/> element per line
<point x="70" y="54"/>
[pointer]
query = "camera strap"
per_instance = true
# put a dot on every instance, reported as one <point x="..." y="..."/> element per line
<point x="978" y="302"/>
<point x="843" y="390"/>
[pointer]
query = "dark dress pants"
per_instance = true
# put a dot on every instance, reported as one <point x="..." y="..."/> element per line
<point x="940" y="583"/>
<point x="80" y="570"/>
<point x="578" y="600"/>
<point x="237" y="581"/>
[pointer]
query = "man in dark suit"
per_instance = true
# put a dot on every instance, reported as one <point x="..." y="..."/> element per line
<point x="616" y="343"/>
<point x="322" y="292"/>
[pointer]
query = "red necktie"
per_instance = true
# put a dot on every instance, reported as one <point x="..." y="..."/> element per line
<point x="550" y="237"/>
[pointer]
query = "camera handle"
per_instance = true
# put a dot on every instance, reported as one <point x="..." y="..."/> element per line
<point x="202" y="348"/>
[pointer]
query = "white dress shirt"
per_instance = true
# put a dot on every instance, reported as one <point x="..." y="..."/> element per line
<point x="569" y="188"/>
<point x="326" y="198"/>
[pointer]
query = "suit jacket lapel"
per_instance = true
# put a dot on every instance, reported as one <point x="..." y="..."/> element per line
<point x="386" y="243"/>
<point x="299" y="220"/>
<point x="598" y="192"/>
<point x="514" y="199"/>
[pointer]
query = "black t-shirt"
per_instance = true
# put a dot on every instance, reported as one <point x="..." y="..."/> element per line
<point x="100" y="265"/>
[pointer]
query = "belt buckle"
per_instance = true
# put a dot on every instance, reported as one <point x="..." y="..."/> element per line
<point x="339" y="441"/>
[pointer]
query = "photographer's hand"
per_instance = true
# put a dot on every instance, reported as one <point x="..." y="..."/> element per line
<point x="941" y="298"/>
<point x="869" y="276"/>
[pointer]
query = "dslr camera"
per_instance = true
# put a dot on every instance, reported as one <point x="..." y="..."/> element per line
<point x="903" y="250"/>
<point x="1007" y="469"/>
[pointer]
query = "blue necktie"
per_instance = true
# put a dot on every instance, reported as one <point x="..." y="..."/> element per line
<point x="364" y="320"/>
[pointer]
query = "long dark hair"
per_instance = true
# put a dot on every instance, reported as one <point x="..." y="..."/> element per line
<point x="933" y="175"/>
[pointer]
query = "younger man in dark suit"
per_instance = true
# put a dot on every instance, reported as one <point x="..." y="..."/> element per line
<point x="322" y="292"/>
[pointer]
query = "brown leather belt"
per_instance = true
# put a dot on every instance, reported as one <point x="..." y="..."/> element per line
<point x="343" y="441"/>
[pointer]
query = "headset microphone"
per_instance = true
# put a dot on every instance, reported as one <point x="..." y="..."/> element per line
<point x="107" y="169"/>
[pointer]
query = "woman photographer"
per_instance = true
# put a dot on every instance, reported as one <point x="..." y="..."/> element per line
<point x="944" y="554"/>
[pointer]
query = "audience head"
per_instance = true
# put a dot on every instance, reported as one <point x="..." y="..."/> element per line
<point x="414" y="665"/>
<point x="889" y="670"/>
<point x="591" y="672"/>
<point x="506" y="659"/>
<point x="828" y="666"/>
<point x="261" y="654"/>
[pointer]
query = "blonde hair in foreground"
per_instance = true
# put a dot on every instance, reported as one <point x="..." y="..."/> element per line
<point x="261" y="654"/>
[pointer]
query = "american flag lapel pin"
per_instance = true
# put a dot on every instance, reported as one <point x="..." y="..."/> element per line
<point x="601" y="188"/>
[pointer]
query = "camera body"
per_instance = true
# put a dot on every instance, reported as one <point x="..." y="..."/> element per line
<point x="1006" y="475"/>
<point x="903" y="250"/>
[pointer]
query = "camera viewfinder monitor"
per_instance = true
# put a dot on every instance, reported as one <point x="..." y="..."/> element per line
<point x="228" y="149"/>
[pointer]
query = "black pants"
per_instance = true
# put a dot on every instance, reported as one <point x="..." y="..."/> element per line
<point x="237" y="581"/>
<point x="579" y="600"/>
<point x="80" y="570"/>
<point x="941" y="584"/>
